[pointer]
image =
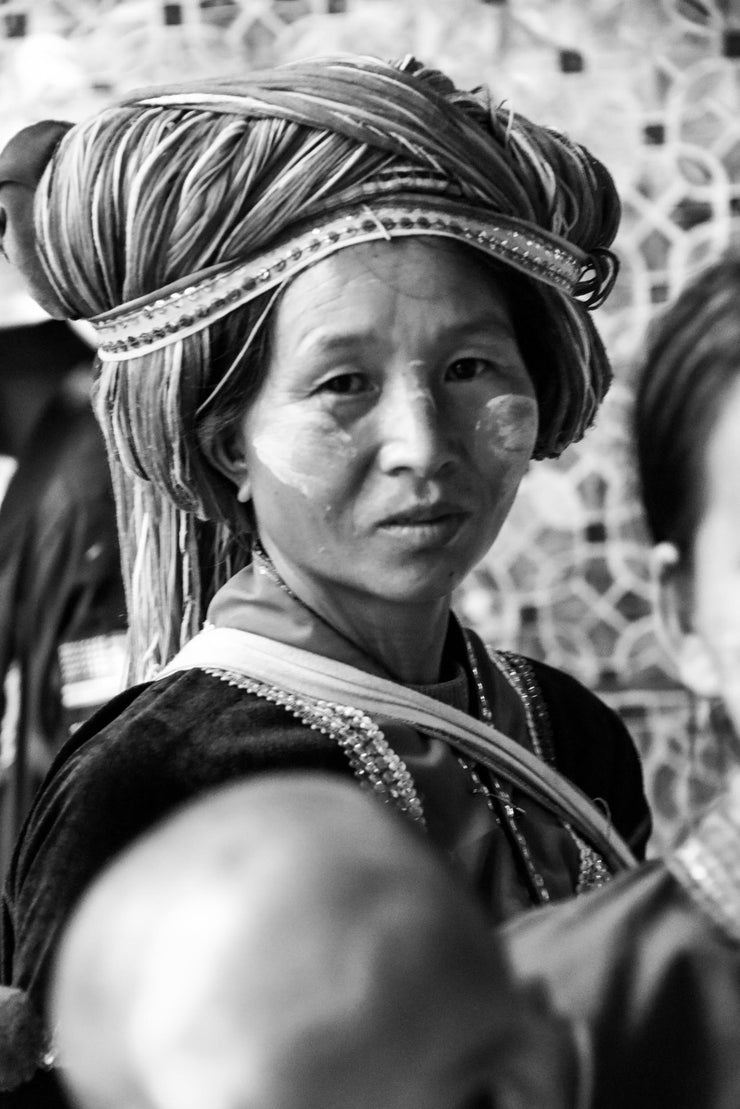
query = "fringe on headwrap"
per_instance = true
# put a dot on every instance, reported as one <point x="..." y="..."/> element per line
<point x="173" y="181"/>
<point x="177" y="548"/>
<point x="172" y="565"/>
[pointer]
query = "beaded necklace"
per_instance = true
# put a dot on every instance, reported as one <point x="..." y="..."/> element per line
<point x="498" y="798"/>
<point x="592" y="870"/>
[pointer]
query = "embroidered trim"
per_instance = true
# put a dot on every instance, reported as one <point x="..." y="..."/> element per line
<point x="193" y="303"/>
<point x="499" y="793"/>
<point x="520" y="675"/>
<point x="373" y="761"/>
<point x="706" y="864"/>
<point x="593" y="873"/>
<point x="380" y="769"/>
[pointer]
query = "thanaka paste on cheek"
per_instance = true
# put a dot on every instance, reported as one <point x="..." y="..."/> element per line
<point x="509" y="423"/>
<point x="321" y="448"/>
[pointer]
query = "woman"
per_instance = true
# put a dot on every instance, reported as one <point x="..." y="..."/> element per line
<point x="340" y="306"/>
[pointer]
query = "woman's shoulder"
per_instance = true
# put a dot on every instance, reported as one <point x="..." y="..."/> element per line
<point x="589" y="743"/>
<point x="186" y="722"/>
<point x="562" y="687"/>
<point x="142" y="756"/>
<point x="556" y="697"/>
<point x="579" y="717"/>
<point x="182" y="701"/>
<point x="154" y="747"/>
<point x="564" y="705"/>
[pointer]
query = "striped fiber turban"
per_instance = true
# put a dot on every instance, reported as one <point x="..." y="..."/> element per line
<point x="173" y="219"/>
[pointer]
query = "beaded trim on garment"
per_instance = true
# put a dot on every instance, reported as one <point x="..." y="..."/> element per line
<point x="373" y="761"/>
<point x="593" y="873"/>
<point x="706" y="862"/>
<point x="378" y="768"/>
<point x="498" y="799"/>
<point x="193" y="303"/>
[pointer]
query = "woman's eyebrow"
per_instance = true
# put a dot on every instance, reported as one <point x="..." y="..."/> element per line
<point x="484" y="325"/>
<point x="488" y="324"/>
<point x="321" y="342"/>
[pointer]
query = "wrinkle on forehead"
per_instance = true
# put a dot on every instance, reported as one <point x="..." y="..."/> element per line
<point x="376" y="261"/>
<point x="369" y="266"/>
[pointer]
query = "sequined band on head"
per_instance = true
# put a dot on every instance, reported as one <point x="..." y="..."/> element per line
<point x="193" y="303"/>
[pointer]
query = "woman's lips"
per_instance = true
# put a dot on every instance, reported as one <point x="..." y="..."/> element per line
<point x="424" y="513"/>
<point x="426" y="525"/>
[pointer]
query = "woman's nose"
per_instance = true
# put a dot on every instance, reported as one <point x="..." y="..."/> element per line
<point x="416" y="432"/>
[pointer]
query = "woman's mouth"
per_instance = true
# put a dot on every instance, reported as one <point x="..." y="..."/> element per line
<point x="423" y="525"/>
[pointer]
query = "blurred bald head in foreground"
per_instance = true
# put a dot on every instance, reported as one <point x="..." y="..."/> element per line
<point x="288" y="943"/>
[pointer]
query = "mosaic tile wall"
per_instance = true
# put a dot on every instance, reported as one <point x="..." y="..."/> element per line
<point x="653" y="87"/>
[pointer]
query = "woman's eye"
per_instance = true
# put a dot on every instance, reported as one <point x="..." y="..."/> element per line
<point x="345" y="384"/>
<point x="466" y="369"/>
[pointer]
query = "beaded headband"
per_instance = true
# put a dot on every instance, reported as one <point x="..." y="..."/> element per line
<point x="191" y="304"/>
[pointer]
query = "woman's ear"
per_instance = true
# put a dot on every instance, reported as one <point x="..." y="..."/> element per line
<point x="673" y="607"/>
<point x="224" y="449"/>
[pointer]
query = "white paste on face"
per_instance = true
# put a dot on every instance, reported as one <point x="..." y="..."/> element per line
<point x="292" y="466"/>
<point x="510" y="422"/>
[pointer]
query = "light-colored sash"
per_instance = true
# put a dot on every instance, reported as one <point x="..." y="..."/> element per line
<point x="315" y="677"/>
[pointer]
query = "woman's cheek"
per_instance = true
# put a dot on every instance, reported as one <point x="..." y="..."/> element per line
<point x="507" y="427"/>
<point x="726" y="645"/>
<point x="307" y="458"/>
<point x="716" y="598"/>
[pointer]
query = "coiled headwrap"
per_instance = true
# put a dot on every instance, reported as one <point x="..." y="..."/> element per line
<point x="174" y="218"/>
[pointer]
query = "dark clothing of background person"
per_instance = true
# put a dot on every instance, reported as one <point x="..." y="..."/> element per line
<point x="59" y="568"/>
<point x="35" y="358"/>
<point x="656" y="982"/>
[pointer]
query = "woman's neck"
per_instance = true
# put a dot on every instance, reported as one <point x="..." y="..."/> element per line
<point x="404" y="641"/>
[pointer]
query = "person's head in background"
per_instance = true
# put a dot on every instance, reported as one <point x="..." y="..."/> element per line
<point x="288" y="943"/>
<point x="687" y="421"/>
<point x="37" y="353"/>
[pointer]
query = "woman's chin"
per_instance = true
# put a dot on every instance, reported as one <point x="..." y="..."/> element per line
<point x="415" y="586"/>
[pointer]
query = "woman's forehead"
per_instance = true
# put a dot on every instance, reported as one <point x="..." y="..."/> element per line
<point x="360" y="286"/>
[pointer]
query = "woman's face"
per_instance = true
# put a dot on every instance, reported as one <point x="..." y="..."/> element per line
<point x="394" y="425"/>
<point x="716" y="570"/>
